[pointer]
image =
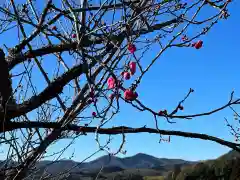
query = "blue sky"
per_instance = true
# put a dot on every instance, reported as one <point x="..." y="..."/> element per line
<point x="213" y="72"/>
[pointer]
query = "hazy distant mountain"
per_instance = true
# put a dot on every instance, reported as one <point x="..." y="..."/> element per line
<point x="139" y="165"/>
<point x="137" y="161"/>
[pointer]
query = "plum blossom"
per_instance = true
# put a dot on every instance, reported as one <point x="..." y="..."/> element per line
<point x="131" y="48"/>
<point x="198" y="44"/>
<point x="111" y="83"/>
<point x="132" y="67"/>
<point x="126" y="75"/>
<point x="130" y="95"/>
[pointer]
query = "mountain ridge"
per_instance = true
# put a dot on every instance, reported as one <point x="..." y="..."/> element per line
<point x="140" y="164"/>
<point x="149" y="164"/>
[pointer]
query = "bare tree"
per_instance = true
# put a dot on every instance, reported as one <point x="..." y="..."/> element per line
<point x="67" y="57"/>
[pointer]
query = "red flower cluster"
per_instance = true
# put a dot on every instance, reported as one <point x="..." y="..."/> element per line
<point x="132" y="68"/>
<point x="130" y="95"/>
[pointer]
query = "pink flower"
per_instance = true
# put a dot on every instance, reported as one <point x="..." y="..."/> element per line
<point x="74" y="35"/>
<point x="130" y="95"/>
<point x="111" y="83"/>
<point x="131" y="48"/>
<point x="126" y="75"/>
<point x="132" y="66"/>
<point x="94" y="114"/>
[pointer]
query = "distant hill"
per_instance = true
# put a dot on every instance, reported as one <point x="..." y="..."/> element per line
<point x="140" y="167"/>
<point x="139" y="164"/>
<point x="137" y="161"/>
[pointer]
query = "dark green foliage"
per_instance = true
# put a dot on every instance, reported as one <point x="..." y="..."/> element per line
<point x="226" y="167"/>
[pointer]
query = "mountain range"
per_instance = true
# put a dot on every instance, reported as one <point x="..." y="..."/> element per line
<point x="112" y="167"/>
<point x="142" y="164"/>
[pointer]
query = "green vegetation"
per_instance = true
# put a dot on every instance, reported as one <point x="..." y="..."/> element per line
<point x="223" y="168"/>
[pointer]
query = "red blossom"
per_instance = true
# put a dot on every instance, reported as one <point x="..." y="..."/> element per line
<point x="184" y="38"/>
<point x="131" y="48"/>
<point x="162" y="113"/>
<point x="111" y="83"/>
<point x="127" y="75"/>
<point x="198" y="44"/>
<point x="132" y="67"/>
<point x="94" y="114"/>
<point x="130" y="95"/>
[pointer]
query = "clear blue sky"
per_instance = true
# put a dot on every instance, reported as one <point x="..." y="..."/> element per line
<point x="213" y="72"/>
